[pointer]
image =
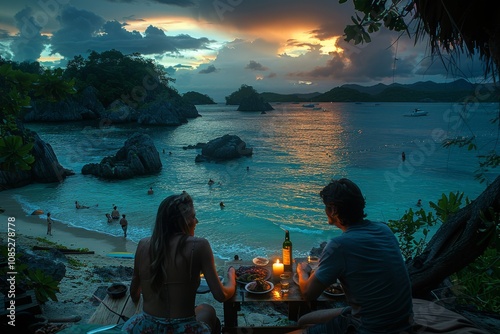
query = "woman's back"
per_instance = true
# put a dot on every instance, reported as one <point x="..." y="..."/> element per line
<point x="177" y="295"/>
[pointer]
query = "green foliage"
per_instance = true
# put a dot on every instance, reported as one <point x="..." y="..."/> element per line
<point x="373" y="13"/>
<point x="74" y="263"/>
<point x="448" y="205"/>
<point x="244" y="92"/>
<point x="408" y="228"/>
<point x="52" y="87"/>
<point x="479" y="283"/>
<point x="197" y="98"/>
<point x="130" y="78"/>
<point x="413" y="228"/>
<point x="15" y="154"/>
<point x="44" y="285"/>
<point x="16" y="91"/>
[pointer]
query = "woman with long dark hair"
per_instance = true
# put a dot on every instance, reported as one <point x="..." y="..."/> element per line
<point x="167" y="269"/>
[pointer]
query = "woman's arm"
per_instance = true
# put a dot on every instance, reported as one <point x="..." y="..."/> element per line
<point x="135" y="286"/>
<point x="220" y="292"/>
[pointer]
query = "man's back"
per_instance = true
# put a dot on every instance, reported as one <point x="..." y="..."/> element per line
<point x="367" y="260"/>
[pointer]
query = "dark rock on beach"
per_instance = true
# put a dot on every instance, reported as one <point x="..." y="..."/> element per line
<point x="46" y="168"/>
<point x="138" y="156"/>
<point x="227" y="147"/>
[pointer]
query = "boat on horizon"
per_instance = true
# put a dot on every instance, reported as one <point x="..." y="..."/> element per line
<point x="416" y="113"/>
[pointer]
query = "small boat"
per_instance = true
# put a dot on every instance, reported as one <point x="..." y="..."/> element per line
<point x="416" y="113"/>
<point x="309" y="105"/>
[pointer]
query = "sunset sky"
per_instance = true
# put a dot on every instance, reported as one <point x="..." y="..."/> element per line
<point x="215" y="46"/>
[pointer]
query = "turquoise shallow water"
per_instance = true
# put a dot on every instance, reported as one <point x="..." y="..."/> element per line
<point x="296" y="152"/>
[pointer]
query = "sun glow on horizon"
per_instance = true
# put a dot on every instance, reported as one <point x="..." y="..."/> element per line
<point x="303" y="42"/>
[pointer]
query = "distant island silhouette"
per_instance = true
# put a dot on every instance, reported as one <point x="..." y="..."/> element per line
<point x="423" y="91"/>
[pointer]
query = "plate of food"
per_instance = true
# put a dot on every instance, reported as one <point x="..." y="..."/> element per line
<point x="260" y="261"/>
<point x="334" y="290"/>
<point x="247" y="274"/>
<point x="259" y="286"/>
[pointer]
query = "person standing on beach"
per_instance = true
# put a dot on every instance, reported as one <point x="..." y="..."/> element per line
<point x="49" y="224"/>
<point x="367" y="261"/>
<point x="167" y="268"/>
<point x="124" y="225"/>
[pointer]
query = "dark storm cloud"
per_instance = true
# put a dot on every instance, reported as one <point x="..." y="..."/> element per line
<point x="180" y="66"/>
<point x="372" y="61"/>
<point x="255" y="66"/>
<point x="246" y="14"/>
<point x="82" y="31"/>
<point x="209" y="69"/>
<point x="132" y="18"/>
<point x="29" y="43"/>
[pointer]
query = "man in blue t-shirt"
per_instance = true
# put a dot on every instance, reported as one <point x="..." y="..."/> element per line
<point x="367" y="261"/>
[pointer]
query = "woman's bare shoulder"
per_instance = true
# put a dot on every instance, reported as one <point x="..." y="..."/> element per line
<point x="144" y="242"/>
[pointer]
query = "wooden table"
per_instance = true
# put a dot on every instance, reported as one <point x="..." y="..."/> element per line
<point x="297" y="306"/>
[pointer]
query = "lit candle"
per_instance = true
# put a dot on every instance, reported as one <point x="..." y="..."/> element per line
<point x="278" y="268"/>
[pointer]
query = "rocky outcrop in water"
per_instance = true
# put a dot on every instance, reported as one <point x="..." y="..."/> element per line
<point x="78" y="107"/>
<point x="224" y="148"/>
<point x="169" y="113"/>
<point x="254" y="103"/>
<point x="138" y="156"/>
<point x="46" y="168"/>
<point x="158" y="110"/>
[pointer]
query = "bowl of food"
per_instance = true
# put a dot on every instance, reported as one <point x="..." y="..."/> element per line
<point x="117" y="290"/>
<point x="260" y="261"/>
<point x="259" y="286"/>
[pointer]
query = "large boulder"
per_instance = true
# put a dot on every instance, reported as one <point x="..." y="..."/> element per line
<point x="138" y="156"/>
<point x="46" y="168"/>
<point x="254" y="102"/>
<point x="78" y="107"/>
<point x="119" y="112"/>
<point x="223" y="148"/>
<point x="172" y="112"/>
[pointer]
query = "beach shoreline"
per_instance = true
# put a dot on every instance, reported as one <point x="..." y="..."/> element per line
<point x="79" y="285"/>
<point x="69" y="236"/>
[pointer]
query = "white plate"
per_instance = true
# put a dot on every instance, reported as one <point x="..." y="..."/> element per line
<point x="260" y="261"/>
<point x="247" y="287"/>
<point x="334" y="294"/>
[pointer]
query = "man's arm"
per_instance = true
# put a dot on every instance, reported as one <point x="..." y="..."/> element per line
<point x="310" y="287"/>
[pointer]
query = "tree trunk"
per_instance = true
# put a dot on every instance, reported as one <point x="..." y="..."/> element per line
<point x="458" y="242"/>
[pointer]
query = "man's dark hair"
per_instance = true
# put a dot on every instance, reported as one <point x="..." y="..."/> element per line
<point x="346" y="198"/>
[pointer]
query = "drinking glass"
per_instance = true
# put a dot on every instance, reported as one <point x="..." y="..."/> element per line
<point x="313" y="262"/>
<point x="285" y="282"/>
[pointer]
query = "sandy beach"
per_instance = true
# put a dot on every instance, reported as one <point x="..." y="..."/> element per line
<point x="95" y="272"/>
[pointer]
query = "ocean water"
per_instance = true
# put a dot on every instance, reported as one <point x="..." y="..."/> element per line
<point x="296" y="151"/>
